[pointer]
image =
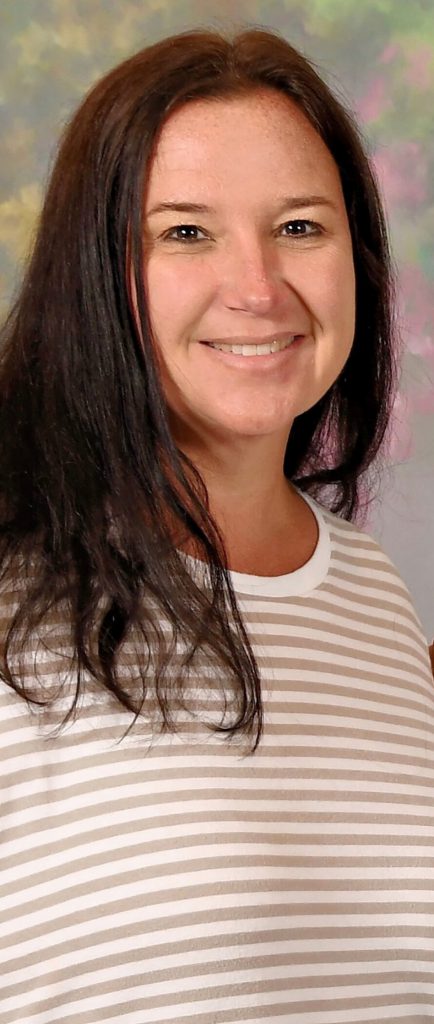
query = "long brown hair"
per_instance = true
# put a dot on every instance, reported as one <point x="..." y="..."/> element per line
<point x="88" y="465"/>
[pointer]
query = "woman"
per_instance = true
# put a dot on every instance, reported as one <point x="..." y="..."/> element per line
<point x="216" y="702"/>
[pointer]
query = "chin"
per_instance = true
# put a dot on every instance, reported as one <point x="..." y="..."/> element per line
<point x="253" y="426"/>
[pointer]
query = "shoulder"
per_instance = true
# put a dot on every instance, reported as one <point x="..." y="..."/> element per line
<point x="36" y="652"/>
<point x="356" y="544"/>
<point x="359" y="562"/>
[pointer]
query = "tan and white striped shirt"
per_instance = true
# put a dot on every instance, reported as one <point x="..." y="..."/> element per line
<point x="181" y="882"/>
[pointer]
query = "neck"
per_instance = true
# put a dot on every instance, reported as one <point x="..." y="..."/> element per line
<point x="267" y="527"/>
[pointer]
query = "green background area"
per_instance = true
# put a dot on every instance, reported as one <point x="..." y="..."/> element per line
<point x="378" y="55"/>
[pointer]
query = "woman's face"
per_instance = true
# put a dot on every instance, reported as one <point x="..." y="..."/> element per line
<point x="248" y="269"/>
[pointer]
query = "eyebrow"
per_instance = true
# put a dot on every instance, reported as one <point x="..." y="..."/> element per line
<point x="297" y="202"/>
<point x="181" y="208"/>
<point x="286" y="203"/>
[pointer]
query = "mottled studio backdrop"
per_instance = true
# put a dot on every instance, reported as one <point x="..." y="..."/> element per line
<point x="379" y="56"/>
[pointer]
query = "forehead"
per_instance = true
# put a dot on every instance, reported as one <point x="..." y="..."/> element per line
<point x="262" y="136"/>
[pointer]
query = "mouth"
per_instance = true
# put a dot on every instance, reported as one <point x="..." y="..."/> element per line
<point x="252" y="349"/>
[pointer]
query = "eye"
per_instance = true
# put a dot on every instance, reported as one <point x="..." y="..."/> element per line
<point x="185" y="233"/>
<point x="301" y="229"/>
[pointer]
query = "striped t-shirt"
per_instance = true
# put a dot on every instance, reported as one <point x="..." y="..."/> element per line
<point x="184" y="881"/>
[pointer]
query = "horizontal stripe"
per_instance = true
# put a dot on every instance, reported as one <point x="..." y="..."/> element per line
<point x="178" y="879"/>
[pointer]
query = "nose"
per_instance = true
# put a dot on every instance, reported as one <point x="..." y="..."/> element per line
<point x="253" y="280"/>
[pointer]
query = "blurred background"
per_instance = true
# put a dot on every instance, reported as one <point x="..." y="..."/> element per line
<point x="378" y="55"/>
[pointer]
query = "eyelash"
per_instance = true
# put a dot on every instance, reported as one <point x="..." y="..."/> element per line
<point x="169" y="236"/>
<point x="317" y="230"/>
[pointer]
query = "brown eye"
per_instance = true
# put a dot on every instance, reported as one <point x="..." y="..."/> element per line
<point x="300" y="228"/>
<point x="185" y="233"/>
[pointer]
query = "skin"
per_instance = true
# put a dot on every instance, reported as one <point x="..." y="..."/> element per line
<point x="267" y="254"/>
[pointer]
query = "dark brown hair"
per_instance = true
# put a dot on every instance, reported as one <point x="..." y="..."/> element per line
<point x="88" y="467"/>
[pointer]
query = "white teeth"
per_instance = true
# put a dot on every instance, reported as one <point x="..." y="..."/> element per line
<point x="255" y="350"/>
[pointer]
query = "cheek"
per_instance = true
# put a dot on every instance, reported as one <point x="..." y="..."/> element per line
<point x="179" y="290"/>
<point x="334" y="285"/>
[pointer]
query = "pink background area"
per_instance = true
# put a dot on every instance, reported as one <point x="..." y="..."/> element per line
<point x="379" y="57"/>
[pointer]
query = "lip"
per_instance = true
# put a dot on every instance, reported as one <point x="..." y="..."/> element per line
<point x="272" y="360"/>
<point x="243" y="340"/>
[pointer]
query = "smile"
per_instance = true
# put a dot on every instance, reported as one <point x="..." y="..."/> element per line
<point x="268" y="348"/>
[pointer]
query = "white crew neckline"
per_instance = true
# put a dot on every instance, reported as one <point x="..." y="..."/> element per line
<point x="302" y="580"/>
<point x="293" y="584"/>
